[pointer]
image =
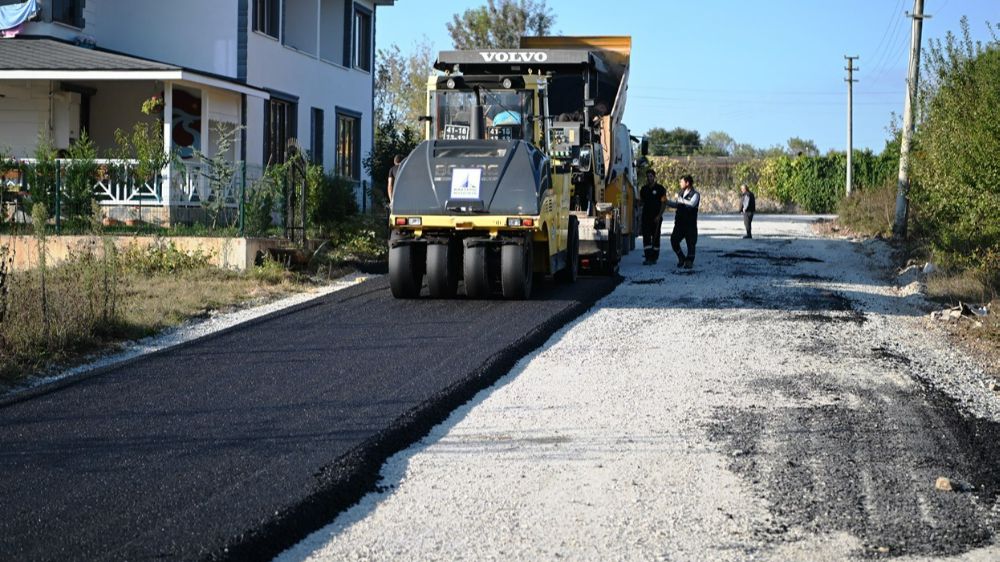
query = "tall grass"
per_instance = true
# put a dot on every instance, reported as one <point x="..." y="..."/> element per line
<point x="52" y="312"/>
<point x="100" y="296"/>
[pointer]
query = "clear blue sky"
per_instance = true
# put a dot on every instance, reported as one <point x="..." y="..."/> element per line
<point x="761" y="71"/>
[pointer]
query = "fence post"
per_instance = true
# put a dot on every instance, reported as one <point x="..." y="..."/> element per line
<point x="243" y="196"/>
<point x="58" y="197"/>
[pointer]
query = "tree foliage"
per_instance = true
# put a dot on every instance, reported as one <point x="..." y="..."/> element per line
<point x="390" y="140"/>
<point x="401" y="84"/>
<point x="718" y="143"/>
<point x="956" y="171"/>
<point x="675" y="142"/>
<point x="802" y="147"/>
<point x="500" y="24"/>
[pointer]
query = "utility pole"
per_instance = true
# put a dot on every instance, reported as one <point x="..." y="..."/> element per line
<point x="850" y="120"/>
<point x="903" y="184"/>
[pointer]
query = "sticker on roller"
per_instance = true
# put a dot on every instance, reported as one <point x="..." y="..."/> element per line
<point x="465" y="183"/>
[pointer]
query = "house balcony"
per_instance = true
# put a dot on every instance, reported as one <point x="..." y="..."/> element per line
<point x="121" y="194"/>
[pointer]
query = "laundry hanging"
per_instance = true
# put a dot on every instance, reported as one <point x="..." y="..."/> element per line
<point x="13" y="15"/>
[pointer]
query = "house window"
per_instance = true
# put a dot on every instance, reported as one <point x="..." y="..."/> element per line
<point x="267" y="16"/>
<point x="316" y="132"/>
<point x="279" y="118"/>
<point x="69" y="12"/>
<point x="348" y="144"/>
<point x="362" y="38"/>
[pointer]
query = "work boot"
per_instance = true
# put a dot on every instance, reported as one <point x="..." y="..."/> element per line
<point x="689" y="263"/>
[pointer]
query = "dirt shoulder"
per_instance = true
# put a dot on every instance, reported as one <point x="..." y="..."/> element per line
<point x="977" y="336"/>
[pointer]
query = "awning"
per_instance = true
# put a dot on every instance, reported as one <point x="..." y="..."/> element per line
<point x="48" y="59"/>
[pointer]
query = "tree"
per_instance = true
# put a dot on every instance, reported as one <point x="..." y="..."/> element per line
<point x="744" y="150"/>
<point x="657" y="137"/>
<point x="802" y="147"/>
<point x="500" y="24"/>
<point x="676" y="142"/>
<point x="390" y="140"/>
<point x="718" y="143"/>
<point x="401" y="84"/>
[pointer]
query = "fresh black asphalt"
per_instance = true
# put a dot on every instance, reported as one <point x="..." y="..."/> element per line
<point x="237" y="445"/>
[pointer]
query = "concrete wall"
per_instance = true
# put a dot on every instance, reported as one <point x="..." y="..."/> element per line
<point x="116" y="105"/>
<point x="330" y="85"/>
<point x="229" y="253"/>
<point x="196" y="34"/>
<point x="24" y="113"/>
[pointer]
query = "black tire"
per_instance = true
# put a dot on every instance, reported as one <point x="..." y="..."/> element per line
<point x="572" y="270"/>
<point x="405" y="271"/>
<point x="516" y="275"/>
<point x="476" y="272"/>
<point x="443" y="270"/>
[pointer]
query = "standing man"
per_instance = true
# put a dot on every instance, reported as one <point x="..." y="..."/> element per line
<point x="393" y="172"/>
<point x="685" y="222"/>
<point x="748" y="205"/>
<point x="652" y="196"/>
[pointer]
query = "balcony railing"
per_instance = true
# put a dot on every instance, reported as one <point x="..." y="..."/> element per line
<point x="116" y="184"/>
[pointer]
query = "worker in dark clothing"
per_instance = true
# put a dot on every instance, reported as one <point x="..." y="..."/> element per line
<point x="652" y="196"/>
<point x="397" y="162"/>
<point x="685" y="222"/>
<point x="748" y="205"/>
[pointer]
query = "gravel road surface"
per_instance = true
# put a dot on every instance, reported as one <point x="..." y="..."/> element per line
<point x="783" y="401"/>
<point x="238" y="444"/>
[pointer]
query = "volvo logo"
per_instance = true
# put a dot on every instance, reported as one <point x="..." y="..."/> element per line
<point x="514" y="56"/>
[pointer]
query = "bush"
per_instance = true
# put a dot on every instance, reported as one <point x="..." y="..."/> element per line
<point x="162" y="258"/>
<point x="78" y="182"/>
<point x="42" y="174"/>
<point x="330" y="200"/>
<point x="956" y="172"/>
<point x="259" y="206"/>
<point x="870" y="212"/>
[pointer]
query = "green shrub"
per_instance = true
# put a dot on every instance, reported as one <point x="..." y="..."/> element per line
<point x="330" y="200"/>
<point x="78" y="182"/>
<point x="269" y="271"/>
<point x="259" y="205"/>
<point x="42" y="174"/>
<point x="870" y="212"/>
<point x="162" y="257"/>
<point x="956" y="170"/>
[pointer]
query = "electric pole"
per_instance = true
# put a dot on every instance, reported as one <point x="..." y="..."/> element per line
<point x="850" y="120"/>
<point x="903" y="185"/>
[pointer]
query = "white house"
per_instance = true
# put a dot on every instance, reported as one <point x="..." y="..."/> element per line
<point x="281" y="69"/>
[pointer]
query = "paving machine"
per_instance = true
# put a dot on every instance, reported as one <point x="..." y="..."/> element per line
<point x="526" y="171"/>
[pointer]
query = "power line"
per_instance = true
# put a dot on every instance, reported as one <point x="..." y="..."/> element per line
<point x="768" y="92"/>
<point x="805" y="103"/>
<point x="891" y="24"/>
<point x="896" y="44"/>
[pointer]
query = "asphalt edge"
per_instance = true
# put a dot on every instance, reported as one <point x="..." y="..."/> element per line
<point x="348" y="479"/>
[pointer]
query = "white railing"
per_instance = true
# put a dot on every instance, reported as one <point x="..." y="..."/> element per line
<point x="115" y="183"/>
